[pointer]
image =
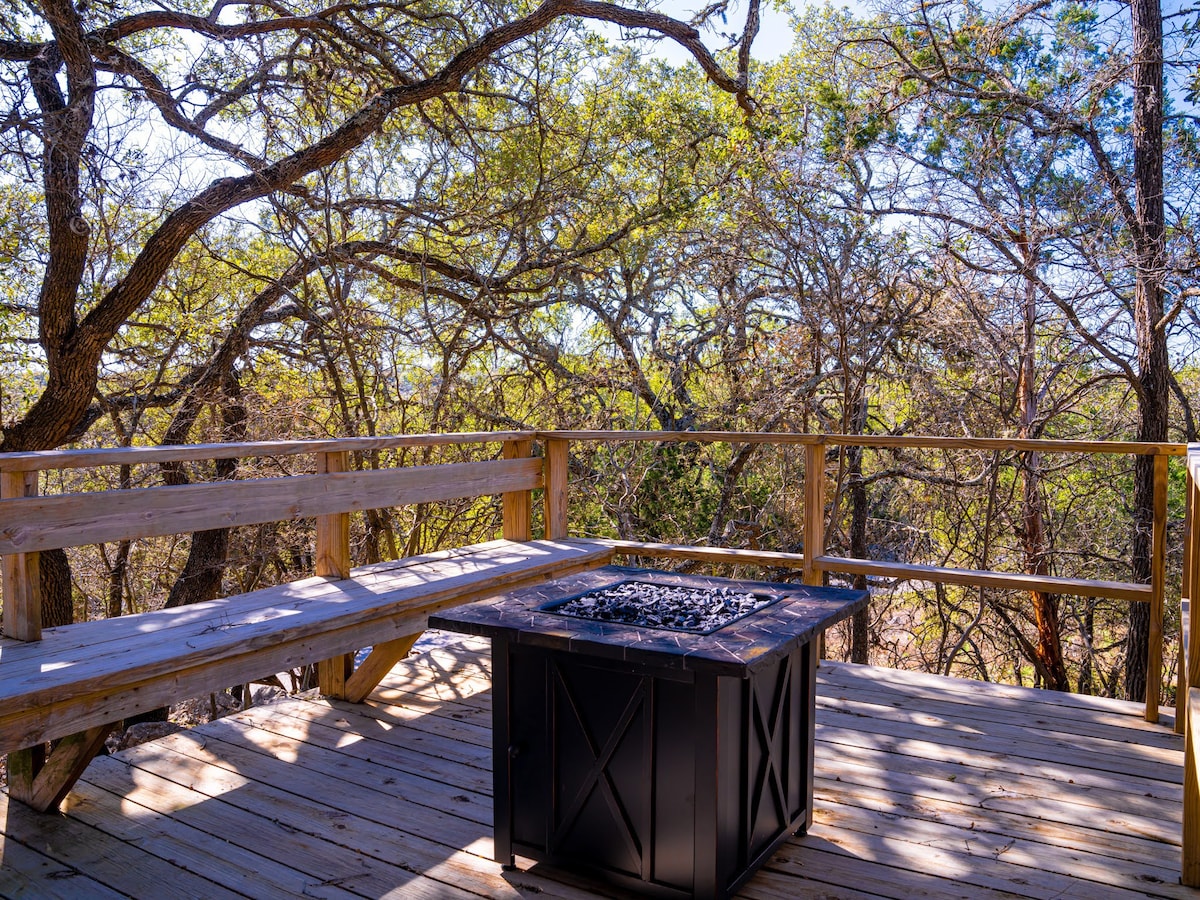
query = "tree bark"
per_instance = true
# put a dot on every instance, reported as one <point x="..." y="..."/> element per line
<point x="204" y="569"/>
<point x="1034" y="540"/>
<point x="1153" y="368"/>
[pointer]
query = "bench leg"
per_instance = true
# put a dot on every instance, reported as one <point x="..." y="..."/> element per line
<point x="377" y="664"/>
<point x="42" y="781"/>
<point x="332" y="675"/>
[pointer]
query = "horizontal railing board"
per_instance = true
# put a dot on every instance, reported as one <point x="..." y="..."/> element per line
<point x="1117" y="590"/>
<point x="72" y="520"/>
<point x="301" y="622"/>
<point x="879" y="441"/>
<point x="43" y="460"/>
<point x="730" y="555"/>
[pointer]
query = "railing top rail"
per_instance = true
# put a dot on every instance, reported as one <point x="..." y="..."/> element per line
<point x="44" y="460"/>
<point x="1140" y="448"/>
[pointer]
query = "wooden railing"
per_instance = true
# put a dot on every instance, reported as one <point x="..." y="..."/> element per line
<point x="292" y="497"/>
<point x="93" y="517"/>
<point x="225" y="504"/>
<point x="814" y="561"/>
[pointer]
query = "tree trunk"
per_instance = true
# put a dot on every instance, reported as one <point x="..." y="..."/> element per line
<point x="1035" y="543"/>
<point x="204" y="570"/>
<point x="1150" y="250"/>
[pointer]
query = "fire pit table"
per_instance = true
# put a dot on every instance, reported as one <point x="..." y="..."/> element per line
<point x="667" y="761"/>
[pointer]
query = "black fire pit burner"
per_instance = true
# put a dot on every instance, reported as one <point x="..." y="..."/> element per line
<point x="652" y="604"/>
<point x="673" y="763"/>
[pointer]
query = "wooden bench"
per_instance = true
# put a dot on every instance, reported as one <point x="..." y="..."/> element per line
<point x="72" y="684"/>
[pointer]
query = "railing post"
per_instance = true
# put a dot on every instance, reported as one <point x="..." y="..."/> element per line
<point x="21" y="581"/>
<point x="517" y="506"/>
<point x="814" y="510"/>
<point x="555" y="487"/>
<point x="1189" y="702"/>
<point x="333" y="531"/>
<point x="1187" y="581"/>
<point x="1158" y="580"/>
<point x="814" y="520"/>
<point x="333" y="561"/>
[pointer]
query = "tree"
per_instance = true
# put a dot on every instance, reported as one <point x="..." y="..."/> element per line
<point x="1047" y="71"/>
<point x="274" y="96"/>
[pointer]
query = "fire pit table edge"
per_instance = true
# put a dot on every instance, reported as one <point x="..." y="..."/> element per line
<point x="516" y="617"/>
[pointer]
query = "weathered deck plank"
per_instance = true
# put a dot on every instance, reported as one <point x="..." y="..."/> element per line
<point x="926" y="787"/>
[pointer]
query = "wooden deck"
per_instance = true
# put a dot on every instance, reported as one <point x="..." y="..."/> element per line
<point x="926" y="787"/>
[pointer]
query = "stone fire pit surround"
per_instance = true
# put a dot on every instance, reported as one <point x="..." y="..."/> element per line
<point x="650" y="604"/>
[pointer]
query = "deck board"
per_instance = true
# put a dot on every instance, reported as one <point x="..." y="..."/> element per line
<point x="925" y="787"/>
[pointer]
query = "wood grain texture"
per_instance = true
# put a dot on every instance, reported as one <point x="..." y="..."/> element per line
<point x="333" y="561"/>
<point x="44" y="784"/>
<point x="26" y="872"/>
<point x="925" y="787"/>
<point x="517" y="506"/>
<point x="81" y="848"/>
<point x="382" y="658"/>
<point x="723" y="555"/>
<point x="332" y="675"/>
<point x="1193" y="630"/>
<point x="814" y="512"/>
<point x="69" y="686"/>
<point x="1191" y="838"/>
<point x="1117" y="590"/>
<point x="76" y="519"/>
<point x="875" y="440"/>
<point x="333" y="530"/>
<point x="19" y="576"/>
<point x="1190" y="863"/>
<point x="556" y="460"/>
<point x="93" y="638"/>
<point x="1188" y="582"/>
<point x="46" y="460"/>
<point x="1189" y="699"/>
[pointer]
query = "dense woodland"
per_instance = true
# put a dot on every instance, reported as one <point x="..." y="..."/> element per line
<point x="252" y="220"/>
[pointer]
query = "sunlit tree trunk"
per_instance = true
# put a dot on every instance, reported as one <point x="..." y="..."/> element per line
<point x="1150" y="256"/>
<point x="1034" y="540"/>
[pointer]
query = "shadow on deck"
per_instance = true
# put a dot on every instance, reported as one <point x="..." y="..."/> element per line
<point x="925" y="787"/>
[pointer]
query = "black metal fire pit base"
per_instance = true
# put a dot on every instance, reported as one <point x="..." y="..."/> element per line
<point x="673" y="764"/>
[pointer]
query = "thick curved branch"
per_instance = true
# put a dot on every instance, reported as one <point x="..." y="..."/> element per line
<point x="74" y="351"/>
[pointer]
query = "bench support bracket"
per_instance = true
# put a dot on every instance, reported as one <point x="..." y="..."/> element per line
<point x="42" y="780"/>
<point x="378" y="663"/>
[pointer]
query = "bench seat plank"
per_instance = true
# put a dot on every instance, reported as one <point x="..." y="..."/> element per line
<point x="89" y="638"/>
<point x="72" y="680"/>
